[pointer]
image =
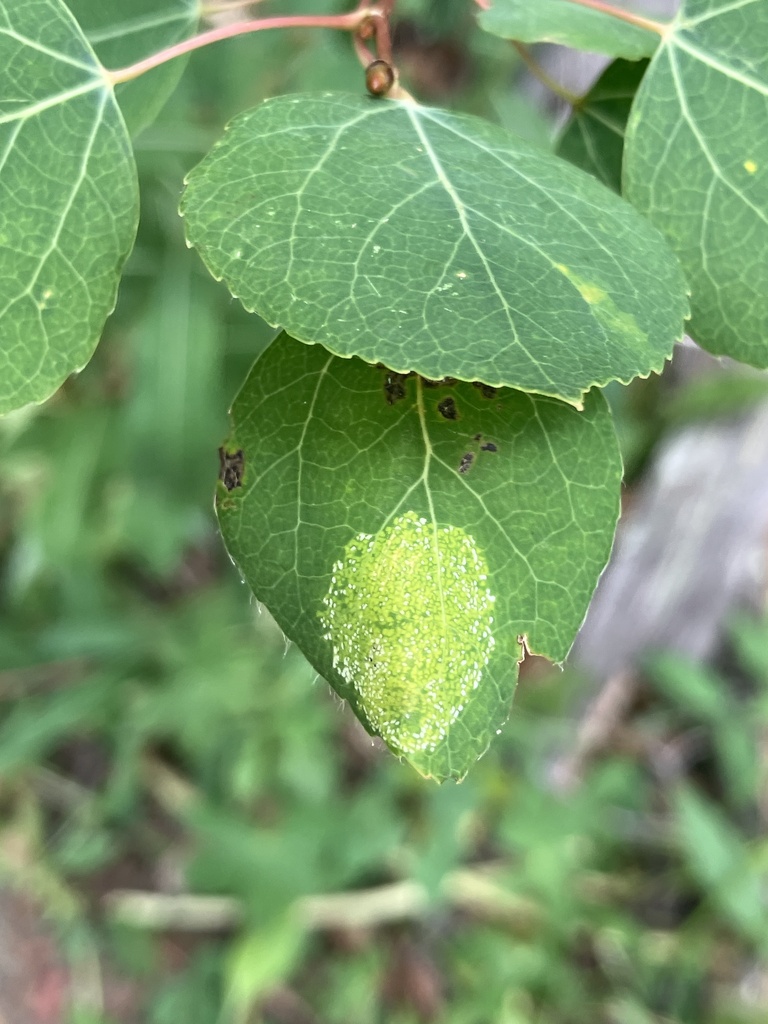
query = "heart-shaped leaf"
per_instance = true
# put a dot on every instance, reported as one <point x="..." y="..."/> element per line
<point x="568" y="23"/>
<point x="433" y="242"/>
<point x="69" y="199"/>
<point x="696" y="164"/>
<point x="408" y="535"/>
<point x="122" y="33"/>
<point x="594" y="137"/>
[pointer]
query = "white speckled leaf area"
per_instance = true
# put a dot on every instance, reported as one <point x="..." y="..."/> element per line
<point x="415" y="593"/>
<point x="409" y="534"/>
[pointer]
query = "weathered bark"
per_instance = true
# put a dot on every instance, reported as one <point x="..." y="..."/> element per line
<point x="691" y="549"/>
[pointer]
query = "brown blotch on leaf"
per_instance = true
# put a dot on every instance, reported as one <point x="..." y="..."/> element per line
<point x="490" y="447"/>
<point x="232" y="466"/>
<point x="485" y="389"/>
<point x="466" y="462"/>
<point x="447" y="408"/>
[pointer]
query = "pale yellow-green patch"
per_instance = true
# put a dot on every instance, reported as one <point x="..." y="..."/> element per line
<point x="410" y="616"/>
<point x="604" y="309"/>
<point x="750" y="166"/>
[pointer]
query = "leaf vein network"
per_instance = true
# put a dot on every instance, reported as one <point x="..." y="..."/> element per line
<point x="711" y="160"/>
<point x="310" y="175"/>
<point x="550" y="194"/>
<point x="56" y="234"/>
<point x="709" y="15"/>
<point x="33" y="44"/>
<point x="717" y="65"/>
<point x="461" y="211"/>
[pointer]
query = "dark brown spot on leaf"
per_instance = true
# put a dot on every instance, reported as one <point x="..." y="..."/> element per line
<point x="394" y="386"/>
<point x="485" y="389"/>
<point x="490" y="447"/>
<point x="466" y="462"/>
<point x="444" y="382"/>
<point x="447" y="408"/>
<point x="232" y="467"/>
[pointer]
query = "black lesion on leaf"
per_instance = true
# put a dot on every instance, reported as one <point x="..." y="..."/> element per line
<point x="489" y="446"/>
<point x="485" y="389"/>
<point x="466" y="462"/>
<point x="447" y="408"/>
<point x="232" y="466"/>
<point x="394" y="386"/>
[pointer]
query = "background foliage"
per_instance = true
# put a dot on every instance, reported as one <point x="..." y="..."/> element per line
<point x="156" y="734"/>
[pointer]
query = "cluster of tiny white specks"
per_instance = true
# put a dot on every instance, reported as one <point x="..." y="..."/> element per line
<point x="410" y="616"/>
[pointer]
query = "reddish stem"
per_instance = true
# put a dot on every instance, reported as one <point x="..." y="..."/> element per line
<point x="615" y="12"/>
<point x="345" y="22"/>
<point x="376" y="25"/>
<point x="380" y="22"/>
<point x="628" y="16"/>
<point x="364" y="55"/>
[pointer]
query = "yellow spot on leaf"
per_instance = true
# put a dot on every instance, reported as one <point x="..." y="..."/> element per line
<point x="410" y="616"/>
<point x="750" y="166"/>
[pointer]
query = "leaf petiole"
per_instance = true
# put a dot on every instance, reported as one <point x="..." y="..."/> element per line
<point x="344" y="22"/>
<point x="659" y="27"/>
<point x="546" y="80"/>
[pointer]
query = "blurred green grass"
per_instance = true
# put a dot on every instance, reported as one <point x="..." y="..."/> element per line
<point x="157" y="733"/>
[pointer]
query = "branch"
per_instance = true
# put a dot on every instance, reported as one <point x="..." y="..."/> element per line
<point x="601" y="720"/>
<point x="473" y="891"/>
<point x="157" y="911"/>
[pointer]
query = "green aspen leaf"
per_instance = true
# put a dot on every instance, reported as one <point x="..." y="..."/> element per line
<point x="696" y="164"/>
<point x="122" y="33"/>
<point x="434" y="242"/>
<point x="68" y="199"/>
<point x="408" y="534"/>
<point x="568" y="23"/>
<point x="594" y="137"/>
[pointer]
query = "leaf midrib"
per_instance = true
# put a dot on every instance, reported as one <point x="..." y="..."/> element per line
<point x="53" y="101"/>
